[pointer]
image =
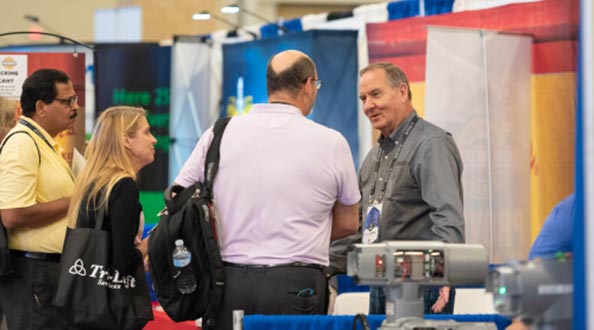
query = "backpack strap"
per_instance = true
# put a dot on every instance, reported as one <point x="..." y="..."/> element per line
<point x="13" y="133"/>
<point x="174" y="204"/>
<point x="211" y="165"/>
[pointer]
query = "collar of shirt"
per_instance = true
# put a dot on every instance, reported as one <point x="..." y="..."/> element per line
<point x="275" y="108"/>
<point x="46" y="135"/>
<point x="398" y="133"/>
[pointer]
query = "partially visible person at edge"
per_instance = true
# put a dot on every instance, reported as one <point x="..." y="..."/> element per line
<point x="556" y="235"/>
<point x="35" y="188"/>
<point x="285" y="186"/>
<point x="121" y="145"/>
<point x="8" y="116"/>
<point x="8" y="120"/>
<point x="411" y="180"/>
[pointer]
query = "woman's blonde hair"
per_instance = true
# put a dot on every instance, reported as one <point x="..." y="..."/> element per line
<point x="8" y="113"/>
<point x="108" y="160"/>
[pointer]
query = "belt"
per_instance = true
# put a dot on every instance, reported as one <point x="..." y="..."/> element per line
<point x="53" y="257"/>
<point x="297" y="264"/>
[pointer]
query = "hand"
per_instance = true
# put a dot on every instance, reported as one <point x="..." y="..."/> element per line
<point x="442" y="300"/>
<point x="143" y="247"/>
<point x="138" y="237"/>
<point x="146" y="264"/>
<point x="517" y="325"/>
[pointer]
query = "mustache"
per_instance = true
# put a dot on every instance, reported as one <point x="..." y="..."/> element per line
<point x="74" y="114"/>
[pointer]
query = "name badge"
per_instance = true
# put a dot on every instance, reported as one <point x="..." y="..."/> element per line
<point x="371" y="229"/>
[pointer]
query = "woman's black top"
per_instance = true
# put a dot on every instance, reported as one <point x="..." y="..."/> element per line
<point x="122" y="220"/>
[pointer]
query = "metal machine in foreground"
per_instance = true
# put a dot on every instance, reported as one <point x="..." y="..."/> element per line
<point x="404" y="267"/>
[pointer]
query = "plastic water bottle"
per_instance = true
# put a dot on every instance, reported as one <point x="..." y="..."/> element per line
<point x="184" y="277"/>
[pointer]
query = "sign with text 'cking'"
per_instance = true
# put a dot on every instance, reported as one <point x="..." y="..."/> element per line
<point x="13" y="72"/>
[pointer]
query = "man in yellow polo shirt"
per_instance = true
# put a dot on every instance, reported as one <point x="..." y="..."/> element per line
<point x="35" y="188"/>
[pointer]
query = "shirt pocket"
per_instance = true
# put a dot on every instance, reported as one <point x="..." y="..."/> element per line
<point x="402" y="186"/>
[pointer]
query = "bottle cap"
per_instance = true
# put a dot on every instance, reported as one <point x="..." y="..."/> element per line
<point x="179" y="242"/>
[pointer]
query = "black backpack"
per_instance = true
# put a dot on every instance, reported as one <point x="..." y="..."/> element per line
<point x="190" y="216"/>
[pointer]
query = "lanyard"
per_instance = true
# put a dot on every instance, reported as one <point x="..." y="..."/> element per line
<point x="378" y="155"/>
<point x="36" y="131"/>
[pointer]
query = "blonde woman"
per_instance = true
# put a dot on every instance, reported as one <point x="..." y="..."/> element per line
<point x="8" y="116"/>
<point x="121" y="145"/>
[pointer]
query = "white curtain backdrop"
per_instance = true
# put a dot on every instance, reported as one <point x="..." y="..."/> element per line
<point x="478" y="89"/>
<point x="190" y="99"/>
<point x="196" y="83"/>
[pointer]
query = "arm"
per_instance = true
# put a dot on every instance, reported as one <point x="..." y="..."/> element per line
<point x="338" y="252"/>
<point x="143" y="247"/>
<point x="124" y="214"/>
<point x="193" y="169"/>
<point x="441" y="188"/>
<point x="556" y="233"/>
<point x="339" y="247"/>
<point x="345" y="220"/>
<point x="35" y="215"/>
<point x="345" y="213"/>
<point x="517" y="325"/>
<point x="439" y="175"/>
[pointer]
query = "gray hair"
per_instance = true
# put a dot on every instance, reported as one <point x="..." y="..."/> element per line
<point x="395" y="75"/>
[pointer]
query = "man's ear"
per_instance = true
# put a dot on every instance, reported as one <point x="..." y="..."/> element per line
<point x="403" y="92"/>
<point x="309" y="86"/>
<point x="40" y="108"/>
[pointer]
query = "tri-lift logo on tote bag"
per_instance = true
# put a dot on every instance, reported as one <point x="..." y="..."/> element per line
<point x="104" y="278"/>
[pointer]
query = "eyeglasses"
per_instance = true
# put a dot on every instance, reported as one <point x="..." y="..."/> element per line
<point x="71" y="101"/>
<point x="318" y="84"/>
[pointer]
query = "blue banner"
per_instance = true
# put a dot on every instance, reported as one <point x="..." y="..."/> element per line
<point x="335" y="55"/>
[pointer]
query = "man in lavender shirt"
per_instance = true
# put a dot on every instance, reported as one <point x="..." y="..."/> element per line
<point x="285" y="187"/>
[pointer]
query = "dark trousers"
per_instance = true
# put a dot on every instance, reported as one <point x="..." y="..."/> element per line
<point x="377" y="300"/>
<point x="26" y="296"/>
<point x="272" y="290"/>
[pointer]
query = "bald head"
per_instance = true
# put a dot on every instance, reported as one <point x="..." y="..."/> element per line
<point x="284" y="60"/>
<point x="287" y="71"/>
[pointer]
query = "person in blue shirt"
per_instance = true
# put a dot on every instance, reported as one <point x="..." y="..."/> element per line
<point x="554" y="236"/>
<point x="556" y="233"/>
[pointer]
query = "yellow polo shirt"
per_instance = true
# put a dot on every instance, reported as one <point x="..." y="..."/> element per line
<point x="24" y="181"/>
